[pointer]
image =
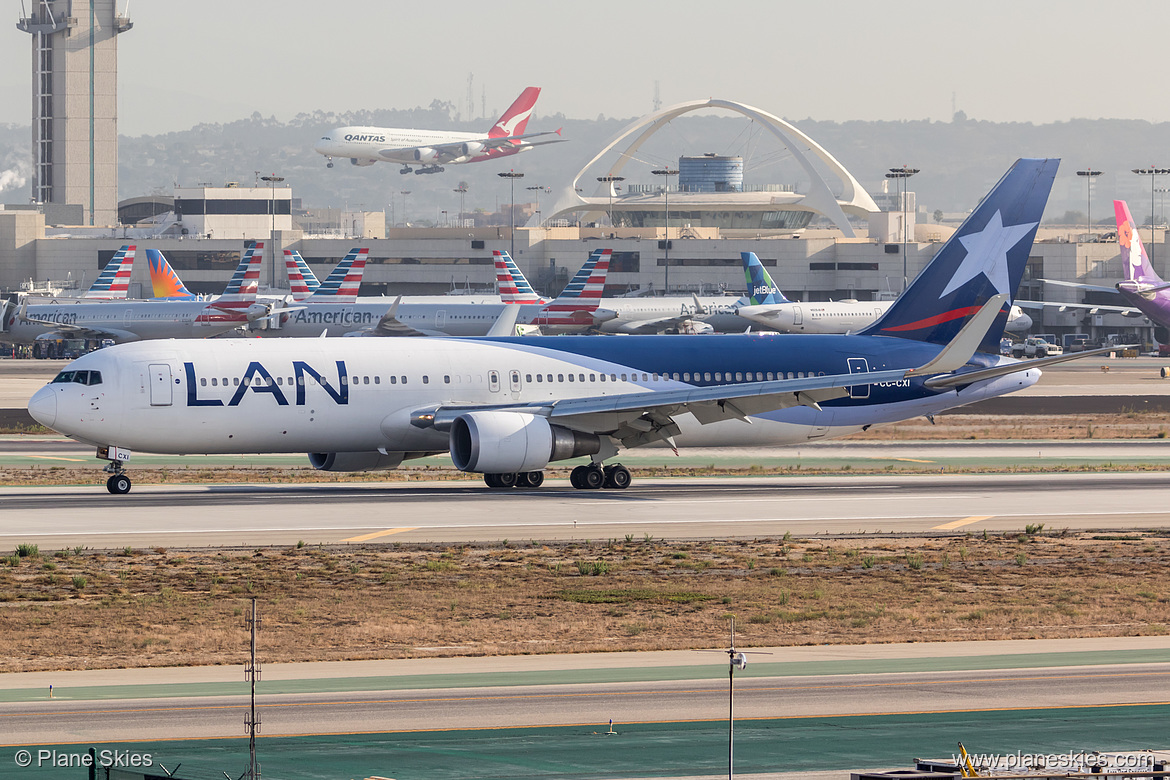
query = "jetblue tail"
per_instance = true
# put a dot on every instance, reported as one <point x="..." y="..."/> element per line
<point x="984" y="257"/>
<point x="114" y="280"/>
<point x="1133" y="254"/>
<point x="344" y="281"/>
<point x="163" y="279"/>
<point x="513" y="285"/>
<point x="761" y="289"/>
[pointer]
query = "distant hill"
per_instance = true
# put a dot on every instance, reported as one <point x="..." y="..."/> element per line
<point x="959" y="160"/>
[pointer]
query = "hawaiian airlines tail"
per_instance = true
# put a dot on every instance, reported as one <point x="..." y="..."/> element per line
<point x="114" y="280"/>
<point x="761" y="289"/>
<point x="515" y="119"/>
<point x="163" y="279"/>
<point x="301" y="281"/>
<point x="985" y="257"/>
<point x="344" y="281"/>
<point x="1138" y="270"/>
<point x="513" y="285"/>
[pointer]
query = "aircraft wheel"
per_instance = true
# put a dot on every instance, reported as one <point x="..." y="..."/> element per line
<point x="592" y="478"/>
<point x="575" y="477"/>
<point x="507" y="480"/>
<point x="617" y="476"/>
<point x="328" y="165"/>
<point x="119" y="484"/>
<point x="530" y="479"/>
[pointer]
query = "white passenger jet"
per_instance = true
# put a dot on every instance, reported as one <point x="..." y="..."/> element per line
<point x="432" y="149"/>
<point x="508" y="407"/>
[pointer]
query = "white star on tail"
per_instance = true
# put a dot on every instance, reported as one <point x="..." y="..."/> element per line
<point x="987" y="254"/>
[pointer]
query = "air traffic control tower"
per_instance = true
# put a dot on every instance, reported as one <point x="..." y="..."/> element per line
<point x="75" y="104"/>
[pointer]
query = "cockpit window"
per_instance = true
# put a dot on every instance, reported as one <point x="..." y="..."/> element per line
<point x="79" y="377"/>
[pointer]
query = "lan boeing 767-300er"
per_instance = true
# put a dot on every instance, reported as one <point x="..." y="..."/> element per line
<point x="507" y="407"/>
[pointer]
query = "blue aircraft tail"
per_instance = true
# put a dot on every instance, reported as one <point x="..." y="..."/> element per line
<point x="761" y="289"/>
<point x="985" y="256"/>
<point x="577" y="284"/>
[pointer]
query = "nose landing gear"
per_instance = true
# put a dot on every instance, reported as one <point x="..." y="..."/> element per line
<point x="118" y="483"/>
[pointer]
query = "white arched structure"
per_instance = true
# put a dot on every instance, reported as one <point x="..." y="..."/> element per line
<point x="820" y="198"/>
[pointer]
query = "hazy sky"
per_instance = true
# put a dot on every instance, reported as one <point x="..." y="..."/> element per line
<point x="1018" y="60"/>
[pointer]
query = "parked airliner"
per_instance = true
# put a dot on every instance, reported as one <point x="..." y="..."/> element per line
<point x="507" y="407"/>
<point x="848" y="316"/>
<point x="432" y="149"/>
<point x="148" y="319"/>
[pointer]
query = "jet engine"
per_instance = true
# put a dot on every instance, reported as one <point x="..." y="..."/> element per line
<point x="361" y="161"/>
<point x="472" y="148"/>
<point x="355" y="461"/>
<point x="513" y="442"/>
<point x="425" y="154"/>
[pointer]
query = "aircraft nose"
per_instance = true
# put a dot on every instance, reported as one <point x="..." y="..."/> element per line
<point x="43" y="406"/>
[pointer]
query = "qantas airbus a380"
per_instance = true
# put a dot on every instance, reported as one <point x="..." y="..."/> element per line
<point x="507" y="407"/>
<point x="432" y="149"/>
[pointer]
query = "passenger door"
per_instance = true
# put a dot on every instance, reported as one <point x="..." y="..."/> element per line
<point x="858" y="365"/>
<point x="160" y="384"/>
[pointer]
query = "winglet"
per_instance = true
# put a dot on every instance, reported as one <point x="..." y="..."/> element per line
<point x="505" y="324"/>
<point x="966" y="342"/>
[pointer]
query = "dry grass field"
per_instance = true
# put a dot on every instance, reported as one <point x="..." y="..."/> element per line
<point x="90" y="609"/>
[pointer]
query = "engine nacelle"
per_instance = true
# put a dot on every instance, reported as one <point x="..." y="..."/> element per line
<point x="361" y="162"/>
<point x="355" y="461"/>
<point x="425" y="154"/>
<point x="512" y="442"/>
<point x="472" y="148"/>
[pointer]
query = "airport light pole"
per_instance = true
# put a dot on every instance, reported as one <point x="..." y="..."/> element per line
<point x="612" y="181"/>
<point x="537" y="189"/>
<point x="462" y="190"/>
<point x="405" y="221"/>
<point x="512" y="176"/>
<point x="272" y="179"/>
<point x="667" y="172"/>
<point x="1152" y="171"/>
<point x="1089" y="174"/>
<point x="1162" y="203"/>
<point x="901" y="174"/>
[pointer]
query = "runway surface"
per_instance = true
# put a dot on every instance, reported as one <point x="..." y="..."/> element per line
<point x="792" y="715"/>
<point x="60" y="517"/>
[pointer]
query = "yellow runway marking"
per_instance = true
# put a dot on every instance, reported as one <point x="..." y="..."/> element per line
<point x="376" y="534"/>
<point x="904" y="460"/>
<point x="960" y="523"/>
<point x="54" y="457"/>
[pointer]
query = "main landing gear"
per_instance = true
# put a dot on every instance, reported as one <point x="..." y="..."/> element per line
<point x="405" y="169"/>
<point x="119" y="484"/>
<point x="591" y="477"/>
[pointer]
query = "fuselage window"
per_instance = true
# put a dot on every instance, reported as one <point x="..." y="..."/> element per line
<point x="214" y="382"/>
<point x="528" y="377"/>
<point x="676" y="376"/>
<point x="623" y="377"/>
<point x="760" y="376"/>
<point x="345" y="380"/>
<point x="570" y="377"/>
<point x="426" y="379"/>
<point x="613" y="377"/>
<point x="540" y="377"/>
<point x="645" y="378"/>
<point x="301" y="381"/>
<point x="560" y="377"/>
<point x="707" y="376"/>
<point x="393" y="380"/>
<point x="550" y="377"/>
<point x="800" y="375"/>
<point x="365" y="380"/>
<point x="593" y="377"/>
<point x="600" y="376"/>
<point x="656" y="377"/>
<point x="235" y="381"/>
<point x="377" y="380"/>
<point x="581" y="377"/>
<point x="446" y="379"/>
<point x="686" y="376"/>
<point x="403" y="380"/>
<point x="718" y="376"/>
<point x="769" y="376"/>
<point x="791" y="375"/>
<point x="203" y="382"/>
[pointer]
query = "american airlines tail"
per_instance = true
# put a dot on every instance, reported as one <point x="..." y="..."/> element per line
<point x="515" y="119"/>
<point x="302" y="282"/>
<point x="114" y="280"/>
<point x="245" y="282"/>
<point x="344" y="281"/>
<point x="163" y="279"/>
<point x="577" y="307"/>
<point x="513" y="286"/>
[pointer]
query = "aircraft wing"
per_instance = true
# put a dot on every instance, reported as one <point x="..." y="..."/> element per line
<point x="1079" y="286"/>
<point x="1093" y="308"/>
<point x="636" y="419"/>
<point x="657" y="325"/>
<point x="452" y="151"/>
